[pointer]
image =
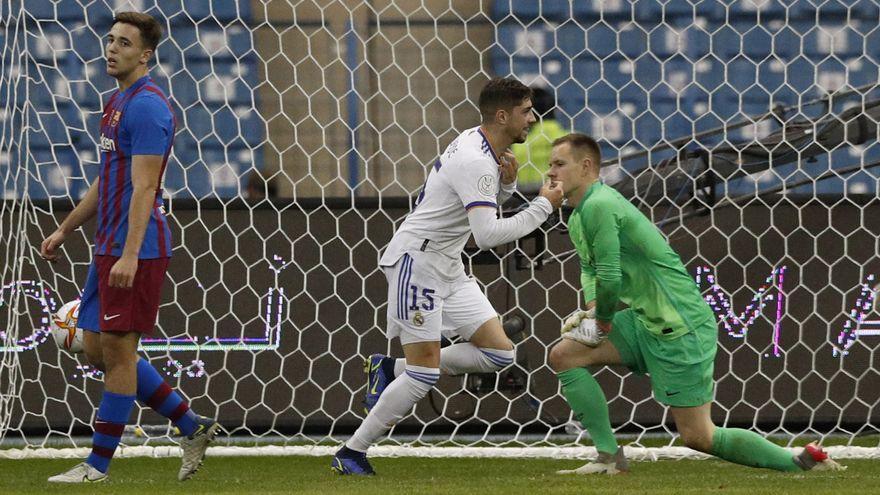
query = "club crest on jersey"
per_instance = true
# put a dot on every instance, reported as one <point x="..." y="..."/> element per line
<point x="107" y="144"/>
<point x="418" y="319"/>
<point x="115" y="119"/>
<point x="487" y="186"/>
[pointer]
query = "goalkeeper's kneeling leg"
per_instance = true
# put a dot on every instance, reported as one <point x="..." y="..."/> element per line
<point x="566" y="355"/>
<point x="569" y="354"/>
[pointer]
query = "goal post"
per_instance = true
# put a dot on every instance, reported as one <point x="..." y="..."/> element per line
<point x="306" y="129"/>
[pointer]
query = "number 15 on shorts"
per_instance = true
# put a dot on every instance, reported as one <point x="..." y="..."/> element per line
<point x="427" y="299"/>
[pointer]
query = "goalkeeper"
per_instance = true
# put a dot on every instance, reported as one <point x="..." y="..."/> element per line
<point x="667" y="331"/>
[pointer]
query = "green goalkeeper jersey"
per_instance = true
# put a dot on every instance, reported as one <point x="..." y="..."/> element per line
<point x="625" y="258"/>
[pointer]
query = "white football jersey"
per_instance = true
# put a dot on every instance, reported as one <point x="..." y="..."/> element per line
<point x="465" y="176"/>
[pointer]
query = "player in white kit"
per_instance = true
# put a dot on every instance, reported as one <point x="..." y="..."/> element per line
<point x="429" y="292"/>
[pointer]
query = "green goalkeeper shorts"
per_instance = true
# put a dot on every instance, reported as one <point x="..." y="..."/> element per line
<point x="681" y="368"/>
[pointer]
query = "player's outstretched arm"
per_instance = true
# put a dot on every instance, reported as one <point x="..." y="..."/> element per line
<point x="84" y="211"/>
<point x="490" y="231"/>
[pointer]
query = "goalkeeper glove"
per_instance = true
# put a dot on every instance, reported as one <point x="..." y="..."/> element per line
<point x="581" y="327"/>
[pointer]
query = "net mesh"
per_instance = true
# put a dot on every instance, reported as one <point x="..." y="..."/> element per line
<point x="306" y="127"/>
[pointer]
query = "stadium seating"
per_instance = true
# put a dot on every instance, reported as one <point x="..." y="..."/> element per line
<point x="208" y="67"/>
<point x="652" y="71"/>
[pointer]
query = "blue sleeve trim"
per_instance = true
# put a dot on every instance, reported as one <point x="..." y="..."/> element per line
<point x="480" y="203"/>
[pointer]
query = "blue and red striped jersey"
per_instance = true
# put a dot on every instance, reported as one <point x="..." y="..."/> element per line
<point x="137" y="121"/>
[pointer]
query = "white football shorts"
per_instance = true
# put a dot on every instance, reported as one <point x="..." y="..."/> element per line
<point x="422" y="306"/>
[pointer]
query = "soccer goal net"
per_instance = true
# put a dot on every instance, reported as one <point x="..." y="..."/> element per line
<point x="746" y="130"/>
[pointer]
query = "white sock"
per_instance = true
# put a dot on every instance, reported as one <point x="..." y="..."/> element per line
<point x="396" y="402"/>
<point x="459" y="359"/>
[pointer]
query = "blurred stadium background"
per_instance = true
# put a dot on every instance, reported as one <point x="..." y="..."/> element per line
<point x="745" y="129"/>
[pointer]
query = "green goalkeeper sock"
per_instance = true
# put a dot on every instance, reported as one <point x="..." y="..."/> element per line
<point x="587" y="400"/>
<point x="750" y="449"/>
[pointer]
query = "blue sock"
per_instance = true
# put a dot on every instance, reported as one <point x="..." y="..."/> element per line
<point x="112" y="417"/>
<point x="158" y="395"/>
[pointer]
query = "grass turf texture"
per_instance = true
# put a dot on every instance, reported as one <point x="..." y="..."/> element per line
<point x="435" y="476"/>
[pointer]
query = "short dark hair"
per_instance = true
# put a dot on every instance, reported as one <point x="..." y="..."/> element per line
<point x="151" y="30"/>
<point x="501" y="93"/>
<point x="583" y="144"/>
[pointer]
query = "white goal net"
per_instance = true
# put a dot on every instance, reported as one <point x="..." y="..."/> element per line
<point x="745" y="129"/>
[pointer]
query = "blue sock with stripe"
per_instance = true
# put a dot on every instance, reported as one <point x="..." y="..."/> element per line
<point x="159" y="396"/>
<point x="113" y="414"/>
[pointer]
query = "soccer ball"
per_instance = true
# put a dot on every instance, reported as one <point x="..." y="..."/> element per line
<point x="64" y="329"/>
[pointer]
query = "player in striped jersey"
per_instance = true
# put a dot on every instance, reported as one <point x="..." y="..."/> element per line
<point x="121" y="297"/>
<point x="429" y="292"/>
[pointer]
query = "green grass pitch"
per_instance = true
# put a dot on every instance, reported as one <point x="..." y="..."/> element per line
<point x="263" y="475"/>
